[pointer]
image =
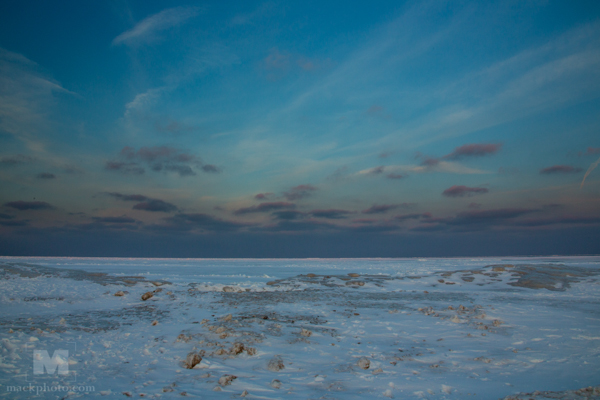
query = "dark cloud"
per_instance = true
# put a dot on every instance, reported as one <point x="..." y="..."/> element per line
<point x="115" y="220"/>
<point x="380" y="209"/>
<point x="464" y="151"/>
<point x="299" y="192"/>
<point x="158" y="158"/>
<point x="6" y="216"/>
<point x="463" y="191"/>
<point x="592" y="150"/>
<point x="288" y="215"/>
<point x="330" y="213"/>
<point x="560" y="169"/>
<point x="364" y="220"/>
<point x="377" y="170"/>
<point x="202" y="222"/>
<point x="385" y="154"/>
<point x="15" y="222"/>
<point x="474" y="150"/>
<point x="568" y="220"/>
<point x="9" y="161"/>
<point x="124" y="167"/>
<point x="211" y="168"/>
<point x="145" y="203"/>
<point x="430" y="162"/>
<point x="474" y="205"/>
<point x="396" y="176"/>
<point x="263" y="196"/>
<point x="265" y="207"/>
<point x="412" y="216"/>
<point x="29" y="205"/>
<point x="45" y="175"/>
<point x="182" y="170"/>
<point x="488" y="216"/>
<point x="154" y="205"/>
<point x="128" y="197"/>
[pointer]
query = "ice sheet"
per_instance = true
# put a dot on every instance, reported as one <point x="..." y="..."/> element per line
<point x="480" y="328"/>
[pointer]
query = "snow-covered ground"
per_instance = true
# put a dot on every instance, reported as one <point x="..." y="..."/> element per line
<point x="483" y="328"/>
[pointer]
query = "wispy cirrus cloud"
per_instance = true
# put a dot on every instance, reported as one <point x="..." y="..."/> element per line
<point x="147" y="29"/>
<point x="26" y="95"/>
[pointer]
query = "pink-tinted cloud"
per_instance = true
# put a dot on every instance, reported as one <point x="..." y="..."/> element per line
<point x="145" y="203"/>
<point x="474" y="150"/>
<point x="560" y="169"/>
<point x="592" y="150"/>
<point x="463" y="191"/>
<point x="263" y="196"/>
<point x="265" y="207"/>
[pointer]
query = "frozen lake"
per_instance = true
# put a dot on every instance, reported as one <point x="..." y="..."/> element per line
<point x="445" y="328"/>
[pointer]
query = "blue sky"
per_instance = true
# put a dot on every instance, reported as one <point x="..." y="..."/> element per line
<point x="299" y="129"/>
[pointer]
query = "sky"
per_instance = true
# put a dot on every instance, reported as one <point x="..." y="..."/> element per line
<point x="299" y="129"/>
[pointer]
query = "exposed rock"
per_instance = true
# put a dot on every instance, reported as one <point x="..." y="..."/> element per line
<point x="377" y="371"/>
<point x="226" y="380"/>
<point x="217" y="389"/>
<point x="271" y="283"/>
<point x="276" y="364"/>
<point x="158" y="290"/>
<point x="364" y="363"/>
<point x="120" y="293"/>
<point x="220" y="352"/>
<point x="275" y="383"/>
<point x="228" y="289"/>
<point x="456" y="320"/>
<point x="237" y="348"/>
<point x="353" y="275"/>
<point x="220" y="329"/>
<point x="183" y="338"/>
<point x="154" y="323"/>
<point x="147" y="295"/>
<point x="192" y="359"/>
<point x="227" y="317"/>
<point x="251" y="351"/>
<point x="244" y="393"/>
<point x="158" y="283"/>
<point x="311" y="275"/>
<point x="496" y="322"/>
<point x="305" y="332"/>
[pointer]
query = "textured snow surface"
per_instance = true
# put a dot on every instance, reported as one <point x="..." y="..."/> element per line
<point x="486" y="328"/>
